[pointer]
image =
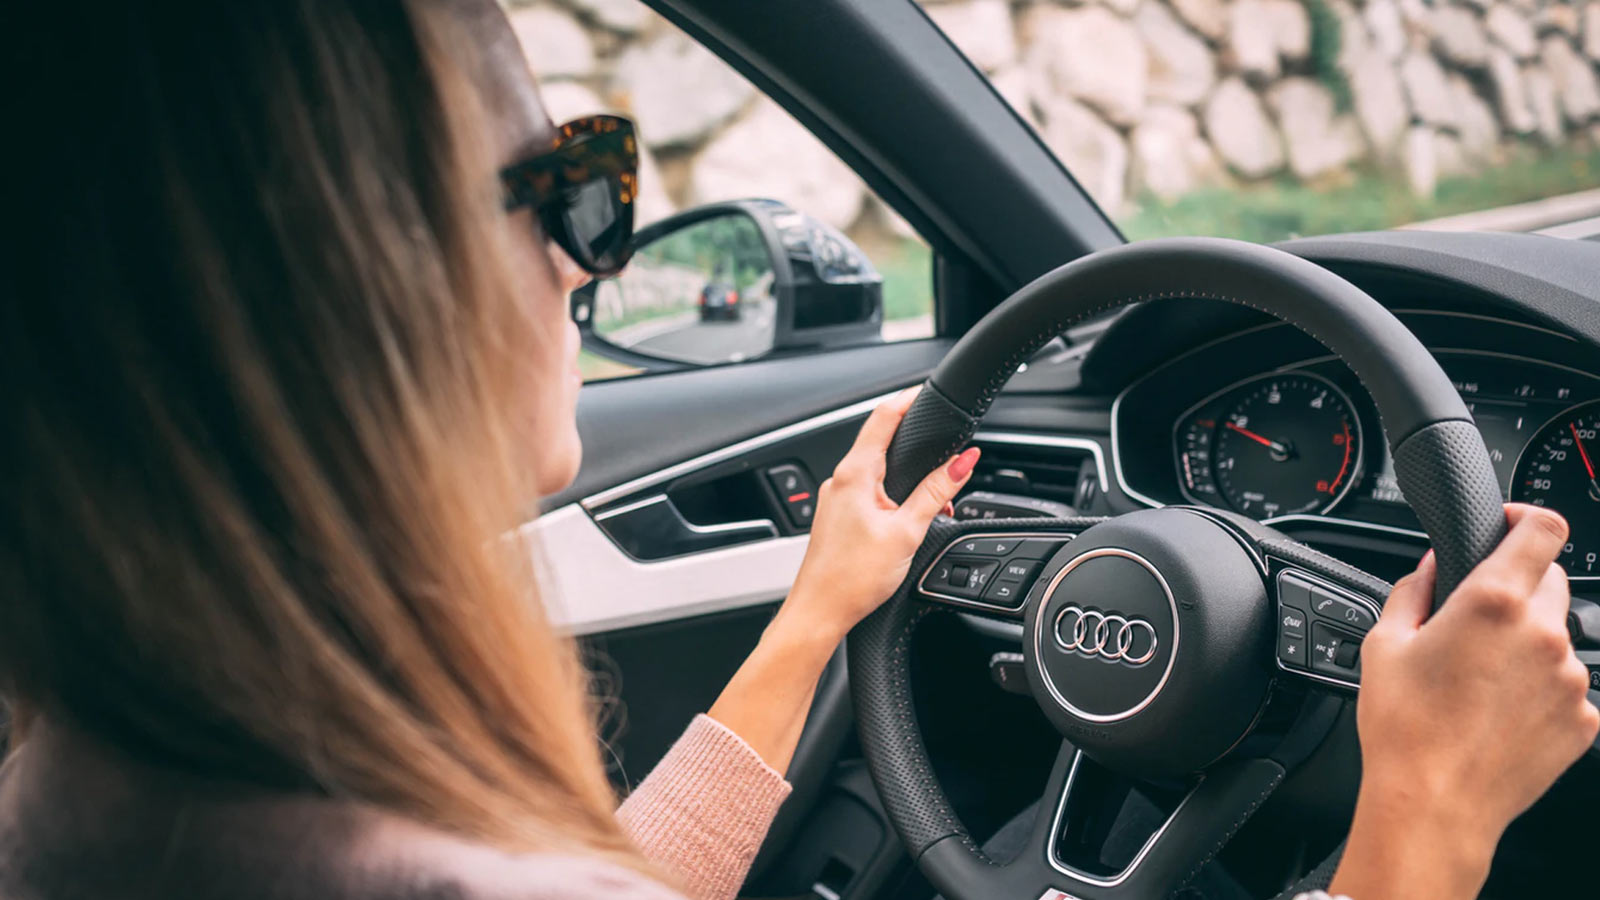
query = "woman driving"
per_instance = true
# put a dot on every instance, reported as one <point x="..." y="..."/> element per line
<point x="287" y="351"/>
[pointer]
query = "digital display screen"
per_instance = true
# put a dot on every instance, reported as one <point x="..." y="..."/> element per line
<point x="1509" y="400"/>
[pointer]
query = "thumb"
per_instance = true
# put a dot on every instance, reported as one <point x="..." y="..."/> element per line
<point x="1411" y="601"/>
<point x="939" y="488"/>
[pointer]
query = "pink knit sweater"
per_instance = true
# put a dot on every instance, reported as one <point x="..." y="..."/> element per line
<point x="80" y="820"/>
<point x="702" y="812"/>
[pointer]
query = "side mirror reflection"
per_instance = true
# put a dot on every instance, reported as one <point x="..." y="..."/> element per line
<point x="701" y="294"/>
<point x="731" y="282"/>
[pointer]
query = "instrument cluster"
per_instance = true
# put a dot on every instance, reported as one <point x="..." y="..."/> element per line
<point x="1300" y="439"/>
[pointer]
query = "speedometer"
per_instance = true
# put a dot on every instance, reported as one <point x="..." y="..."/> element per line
<point x="1558" y="470"/>
<point x="1287" y="444"/>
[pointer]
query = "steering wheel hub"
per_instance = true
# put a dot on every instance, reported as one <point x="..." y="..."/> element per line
<point x="1144" y="645"/>
<point x="1106" y="635"/>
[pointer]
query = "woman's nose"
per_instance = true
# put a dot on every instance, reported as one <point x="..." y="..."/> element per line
<point x="571" y="275"/>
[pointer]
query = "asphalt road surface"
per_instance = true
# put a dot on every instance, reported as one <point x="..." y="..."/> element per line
<point x="717" y="341"/>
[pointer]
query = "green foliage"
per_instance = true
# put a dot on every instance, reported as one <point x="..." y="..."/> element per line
<point x="728" y="247"/>
<point x="1326" y="42"/>
<point x="907" y="272"/>
<point x="1372" y="199"/>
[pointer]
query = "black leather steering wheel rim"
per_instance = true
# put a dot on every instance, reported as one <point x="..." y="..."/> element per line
<point x="1440" y="462"/>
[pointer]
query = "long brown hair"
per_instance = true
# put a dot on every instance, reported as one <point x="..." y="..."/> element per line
<point x="261" y="356"/>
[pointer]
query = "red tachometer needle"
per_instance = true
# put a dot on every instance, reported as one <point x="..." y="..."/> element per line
<point x="1263" y="441"/>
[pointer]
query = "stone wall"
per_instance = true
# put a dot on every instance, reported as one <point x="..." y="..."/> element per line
<point x="1138" y="97"/>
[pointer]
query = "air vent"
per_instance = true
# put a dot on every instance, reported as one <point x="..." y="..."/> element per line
<point x="1049" y="473"/>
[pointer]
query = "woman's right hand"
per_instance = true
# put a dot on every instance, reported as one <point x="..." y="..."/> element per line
<point x="1466" y="717"/>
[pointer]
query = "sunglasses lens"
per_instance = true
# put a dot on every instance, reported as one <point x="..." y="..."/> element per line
<point x="597" y="213"/>
<point x="598" y="224"/>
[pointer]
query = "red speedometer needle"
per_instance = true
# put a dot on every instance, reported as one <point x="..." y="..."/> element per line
<point x="1263" y="441"/>
<point x="1587" y="463"/>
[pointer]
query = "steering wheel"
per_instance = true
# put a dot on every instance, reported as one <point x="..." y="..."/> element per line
<point x="1184" y="647"/>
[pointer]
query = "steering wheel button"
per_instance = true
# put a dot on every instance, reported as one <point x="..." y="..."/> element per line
<point x="1334" y="653"/>
<point x="988" y="546"/>
<point x="1291" y="622"/>
<point x="1337" y="609"/>
<point x="1005" y="593"/>
<point x="1015" y="570"/>
<point x="969" y="579"/>
<point x="1293" y="591"/>
<point x="1292" y="649"/>
<point x="1041" y="548"/>
<point x="1348" y="654"/>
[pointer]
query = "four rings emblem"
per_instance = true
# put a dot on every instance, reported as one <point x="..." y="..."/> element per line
<point x="1109" y="636"/>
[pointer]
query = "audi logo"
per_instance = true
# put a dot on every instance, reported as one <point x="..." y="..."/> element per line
<point x="1106" y="635"/>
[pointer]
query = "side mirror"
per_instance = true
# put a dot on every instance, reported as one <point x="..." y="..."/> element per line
<point x="730" y="282"/>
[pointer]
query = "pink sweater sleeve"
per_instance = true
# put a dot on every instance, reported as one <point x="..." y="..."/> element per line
<point x="702" y="813"/>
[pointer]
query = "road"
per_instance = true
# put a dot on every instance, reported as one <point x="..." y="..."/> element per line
<point x="689" y="339"/>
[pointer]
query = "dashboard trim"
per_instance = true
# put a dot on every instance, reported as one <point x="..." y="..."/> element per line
<point x="1318" y="519"/>
<point x="1052" y="440"/>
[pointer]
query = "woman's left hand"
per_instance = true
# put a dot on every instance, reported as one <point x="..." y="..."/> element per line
<point x="862" y="542"/>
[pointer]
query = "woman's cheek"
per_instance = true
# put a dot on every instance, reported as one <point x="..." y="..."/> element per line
<point x="559" y="458"/>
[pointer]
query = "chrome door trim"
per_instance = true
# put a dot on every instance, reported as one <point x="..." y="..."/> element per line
<point x="589" y="585"/>
<point x="769" y="527"/>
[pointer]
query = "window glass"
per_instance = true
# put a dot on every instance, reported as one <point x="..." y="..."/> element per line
<point x="1266" y="119"/>
<point x="709" y="136"/>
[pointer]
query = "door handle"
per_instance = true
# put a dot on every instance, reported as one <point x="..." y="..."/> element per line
<point x="653" y="528"/>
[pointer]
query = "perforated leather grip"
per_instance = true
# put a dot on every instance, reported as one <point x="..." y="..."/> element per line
<point x="1447" y="478"/>
<point x="931" y="432"/>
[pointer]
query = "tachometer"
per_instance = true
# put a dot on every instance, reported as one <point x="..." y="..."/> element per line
<point x="1558" y="470"/>
<point x="1288" y="443"/>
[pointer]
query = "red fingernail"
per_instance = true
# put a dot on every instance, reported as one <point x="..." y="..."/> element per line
<point x="962" y="466"/>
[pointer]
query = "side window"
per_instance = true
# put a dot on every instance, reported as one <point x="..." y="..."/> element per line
<point x="754" y="237"/>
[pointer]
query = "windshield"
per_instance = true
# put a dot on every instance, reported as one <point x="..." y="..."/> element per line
<point x="1269" y="119"/>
